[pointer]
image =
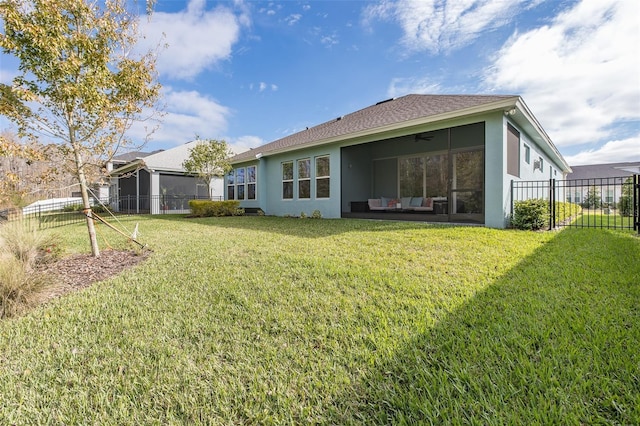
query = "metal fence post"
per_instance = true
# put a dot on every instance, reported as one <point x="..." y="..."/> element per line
<point x="512" y="201"/>
<point x="636" y="203"/>
<point x="552" y="205"/>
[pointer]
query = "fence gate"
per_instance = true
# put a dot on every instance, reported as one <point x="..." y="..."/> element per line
<point x="612" y="203"/>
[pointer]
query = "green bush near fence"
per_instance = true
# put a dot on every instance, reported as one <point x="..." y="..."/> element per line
<point x="565" y="211"/>
<point x="530" y="215"/>
<point x="534" y="214"/>
<point x="206" y="208"/>
<point x="97" y="208"/>
<point x="72" y="208"/>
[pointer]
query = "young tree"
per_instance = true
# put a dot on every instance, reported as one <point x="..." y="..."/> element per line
<point x="592" y="199"/>
<point x="208" y="159"/>
<point x="625" y="205"/>
<point x="79" y="83"/>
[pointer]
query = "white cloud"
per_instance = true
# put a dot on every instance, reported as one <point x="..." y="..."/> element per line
<point x="262" y="86"/>
<point x="329" y="40"/>
<point x="187" y="114"/>
<point x="579" y="74"/>
<point x="612" y="152"/>
<point x="401" y="86"/>
<point x="440" y="26"/>
<point x="244" y="143"/>
<point x="197" y="38"/>
<point x="293" y="19"/>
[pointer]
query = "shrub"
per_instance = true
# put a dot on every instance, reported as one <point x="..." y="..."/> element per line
<point x="21" y="249"/>
<point x="72" y="208"/>
<point x="565" y="211"/>
<point x="206" y="208"/>
<point x="316" y="214"/>
<point x="26" y="244"/>
<point x="303" y="215"/>
<point x="98" y="208"/>
<point x="19" y="288"/>
<point x="530" y="214"/>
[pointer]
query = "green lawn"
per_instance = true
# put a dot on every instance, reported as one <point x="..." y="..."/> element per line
<point x="260" y="320"/>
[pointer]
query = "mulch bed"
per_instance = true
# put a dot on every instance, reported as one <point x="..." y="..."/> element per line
<point x="79" y="271"/>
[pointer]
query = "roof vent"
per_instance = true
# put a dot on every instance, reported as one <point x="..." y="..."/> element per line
<point x="339" y="118"/>
<point x="386" y="100"/>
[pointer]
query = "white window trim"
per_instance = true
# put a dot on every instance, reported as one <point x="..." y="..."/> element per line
<point x="299" y="179"/>
<point x="255" y="183"/>
<point x="328" y="157"/>
<point x="292" y="180"/>
<point x="244" y="184"/>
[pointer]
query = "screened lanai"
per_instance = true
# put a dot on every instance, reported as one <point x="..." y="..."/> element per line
<point x="444" y="168"/>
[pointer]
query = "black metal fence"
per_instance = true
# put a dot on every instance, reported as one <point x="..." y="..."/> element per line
<point x="54" y="213"/>
<point x="157" y="204"/>
<point x="612" y="203"/>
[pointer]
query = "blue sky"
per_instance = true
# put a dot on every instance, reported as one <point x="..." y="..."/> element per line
<point x="251" y="72"/>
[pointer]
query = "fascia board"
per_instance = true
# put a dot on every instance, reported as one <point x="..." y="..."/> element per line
<point x="484" y="108"/>
<point x="134" y="165"/>
<point x="528" y="115"/>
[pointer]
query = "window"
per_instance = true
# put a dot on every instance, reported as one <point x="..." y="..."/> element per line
<point x="287" y="180"/>
<point x="231" y="185"/>
<point x="322" y="177"/>
<point x="251" y="183"/>
<point x="527" y="154"/>
<point x="513" y="151"/>
<point x="304" y="178"/>
<point x="609" y="197"/>
<point x="240" y="181"/>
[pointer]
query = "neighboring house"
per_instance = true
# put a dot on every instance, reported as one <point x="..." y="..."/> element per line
<point x="605" y="180"/>
<point x="156" y="182"/>
<point x="452" y="156"/>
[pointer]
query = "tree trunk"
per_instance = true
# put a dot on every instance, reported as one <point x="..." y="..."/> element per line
<point x="95" y="250"/>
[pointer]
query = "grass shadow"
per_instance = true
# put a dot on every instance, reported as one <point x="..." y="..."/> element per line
<point x="558" y="349"/>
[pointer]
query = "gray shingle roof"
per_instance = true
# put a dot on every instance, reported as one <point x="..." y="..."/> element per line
<point x="601" y="170"/>
<point x="386" y="113"/>
<point x="128" y="157"/>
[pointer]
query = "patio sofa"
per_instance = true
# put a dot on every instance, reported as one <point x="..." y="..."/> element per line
<point x="418" y="204"/>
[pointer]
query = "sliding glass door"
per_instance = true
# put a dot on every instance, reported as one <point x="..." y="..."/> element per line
<point x="467" y="186"/>
<point x="455" y="182"/>
<point x="411" y="176"/>
<point x="437" y="176"/>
